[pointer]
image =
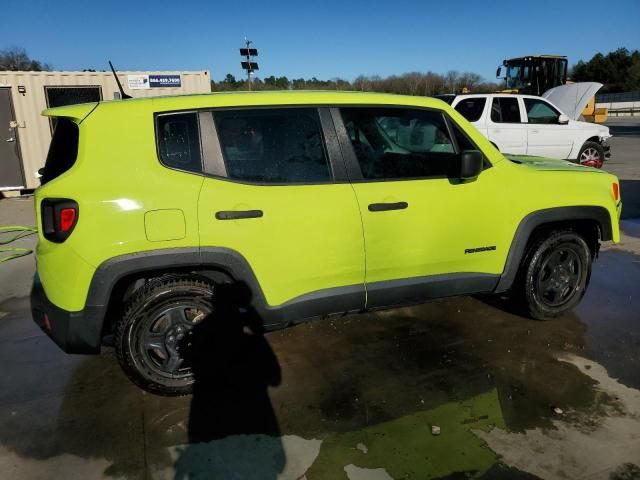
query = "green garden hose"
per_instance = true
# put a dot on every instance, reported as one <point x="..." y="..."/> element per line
<point x="11" y="253"/>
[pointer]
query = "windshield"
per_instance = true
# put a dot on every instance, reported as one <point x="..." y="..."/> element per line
<point x="517" y="75"/>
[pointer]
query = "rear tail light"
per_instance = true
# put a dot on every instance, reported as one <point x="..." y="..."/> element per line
<point x="67" y="219"/>
<point x="59" y="218"/>
<point x="616" y="191"/>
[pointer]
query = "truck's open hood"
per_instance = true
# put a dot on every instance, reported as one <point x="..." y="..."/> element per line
<point x="551" y="164"/>
<point x="573" y="97"/>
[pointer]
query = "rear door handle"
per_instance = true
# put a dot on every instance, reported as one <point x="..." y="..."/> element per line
<point x="238" y="214"/>
<point x="383" y="207"/>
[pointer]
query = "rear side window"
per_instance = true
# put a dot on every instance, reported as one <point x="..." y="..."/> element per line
<point x="179" y="141"/>
<point x="505" y="110"/>
<point x="63" y="150"/>
<point x="273" y="146"/>
<point x="471" y="108"/>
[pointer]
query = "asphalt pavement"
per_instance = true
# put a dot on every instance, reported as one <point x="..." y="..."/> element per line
<point x="456" y="388"/>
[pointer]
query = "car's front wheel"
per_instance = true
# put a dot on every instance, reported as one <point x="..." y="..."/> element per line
<point x="153" y="337"/>
<point x="554" y="274"/>
<point x="591" y="155"/>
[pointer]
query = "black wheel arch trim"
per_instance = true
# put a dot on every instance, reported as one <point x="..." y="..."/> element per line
<point x="543" y="217"/>
<point x="338" y="300"/>
<point x="230" y="262"/>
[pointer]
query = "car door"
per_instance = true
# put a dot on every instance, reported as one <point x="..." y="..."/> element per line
<point x="546" y="137"/>
<point x="505" y="126"/>
<point x="426" y="233"/>
<point x="277" y="196"/>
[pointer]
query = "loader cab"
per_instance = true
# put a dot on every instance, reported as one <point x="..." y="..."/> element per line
<point x="534" y="74"/>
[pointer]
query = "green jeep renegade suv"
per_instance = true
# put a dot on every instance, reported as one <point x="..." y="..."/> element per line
<point x="160" y="216"/>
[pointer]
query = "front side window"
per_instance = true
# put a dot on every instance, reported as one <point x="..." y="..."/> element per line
<point x="539" y="111"/>
<point x="273" y="146"/>
<point x="394" y="143"/>
<point x="179" y="141"/>
<point x="505" y="110"/>
<point x="471" y="108"/>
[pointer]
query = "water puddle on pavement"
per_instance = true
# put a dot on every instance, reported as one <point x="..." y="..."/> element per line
<point x="474" y="442"/>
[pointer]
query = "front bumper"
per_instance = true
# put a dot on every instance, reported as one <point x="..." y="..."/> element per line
<point x="73" y="332"/>
<point x="607" y="149"/>
<point x="619" y="209"/>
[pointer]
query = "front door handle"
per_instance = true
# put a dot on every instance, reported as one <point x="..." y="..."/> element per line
<point x="383" y="207"/>
<point x="238" y="214"/>
<point x="11" y="139"/>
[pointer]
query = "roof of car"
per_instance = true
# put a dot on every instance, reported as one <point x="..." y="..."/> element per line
<point x="498" y="94"/>
<point x="286" y="97"/>
<point x="262" y="98"/>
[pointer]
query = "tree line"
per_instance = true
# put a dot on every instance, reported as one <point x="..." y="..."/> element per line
<point x="412" y="83"/>
<point x="618" y="71"/>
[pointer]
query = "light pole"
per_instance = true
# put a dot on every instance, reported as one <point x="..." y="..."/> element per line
<point x="248" y="65"/>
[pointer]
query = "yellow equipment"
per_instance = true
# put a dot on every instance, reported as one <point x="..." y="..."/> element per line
<point x="535" y="74"/>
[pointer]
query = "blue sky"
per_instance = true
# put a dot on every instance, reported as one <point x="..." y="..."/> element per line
<point x="323" y="38"/>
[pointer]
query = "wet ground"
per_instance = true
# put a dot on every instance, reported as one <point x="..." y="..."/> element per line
<point x="357" y="397"/>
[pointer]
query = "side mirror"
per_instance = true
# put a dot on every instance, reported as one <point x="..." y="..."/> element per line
<point x="471" y="163"/>
<point x="563" y="119"/>
<point x="499" y="72"/>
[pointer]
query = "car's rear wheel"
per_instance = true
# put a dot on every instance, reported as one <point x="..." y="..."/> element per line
<point x="591" y="155"/>
<point x="153" y="338"/>
<point x="554" y="274"/>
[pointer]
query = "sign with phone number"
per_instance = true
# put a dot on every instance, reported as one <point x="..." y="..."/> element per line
<point x="164" y="81"/>
<point x="143" y="82"/>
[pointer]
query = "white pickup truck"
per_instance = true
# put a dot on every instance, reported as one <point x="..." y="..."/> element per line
<point x="529" y="125"/>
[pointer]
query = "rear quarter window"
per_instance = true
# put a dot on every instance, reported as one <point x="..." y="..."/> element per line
<point x="63" y="150"/>
<point x="178" y="138"/>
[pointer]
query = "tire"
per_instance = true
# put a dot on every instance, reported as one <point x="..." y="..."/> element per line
<point x="154" y="335"/>
<point x="554" y="275"/>
<point x="591" y="155"/>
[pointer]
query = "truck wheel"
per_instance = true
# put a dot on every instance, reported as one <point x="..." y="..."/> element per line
<point x="154" y="335"/>
<point x="554" y="275"/>
<point x="591" y="155"/>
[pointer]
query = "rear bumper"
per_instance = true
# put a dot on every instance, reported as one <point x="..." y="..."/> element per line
<point x="73" y="332"/>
